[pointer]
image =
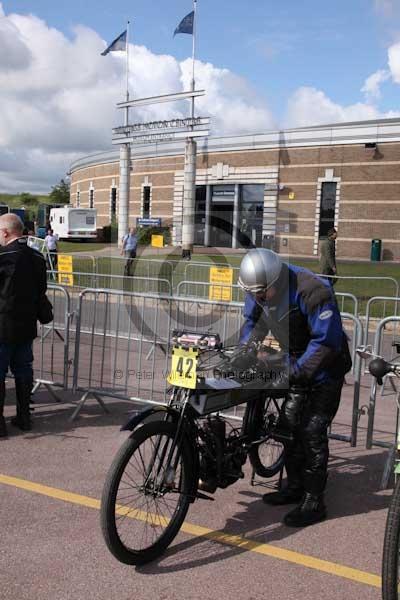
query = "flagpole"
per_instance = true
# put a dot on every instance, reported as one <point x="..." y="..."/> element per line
<point x="193" y="52"/>
<point x="127" y="74"/>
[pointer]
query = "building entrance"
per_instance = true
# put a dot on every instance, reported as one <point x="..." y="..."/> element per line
<point x="221" y="224"/>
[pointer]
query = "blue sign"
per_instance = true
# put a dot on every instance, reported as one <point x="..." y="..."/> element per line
<point x="142" y="222"/>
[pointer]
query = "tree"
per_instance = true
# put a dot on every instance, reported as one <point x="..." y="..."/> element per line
<point x="26" y="199"/>
<point x="60" y="193"/>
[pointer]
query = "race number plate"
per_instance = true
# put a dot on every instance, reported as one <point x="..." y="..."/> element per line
<point x="183" y="367"/>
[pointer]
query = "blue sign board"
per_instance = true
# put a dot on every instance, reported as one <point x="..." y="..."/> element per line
<point x="143" y="222"/>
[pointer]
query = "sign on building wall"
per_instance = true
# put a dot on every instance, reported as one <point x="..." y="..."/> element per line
<point x="221" y="275"/>
<point x="144" y="222"/>
<point x="65" y="270"/>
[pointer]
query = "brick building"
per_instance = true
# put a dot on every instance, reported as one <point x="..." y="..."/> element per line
<point x="291" y="186"/>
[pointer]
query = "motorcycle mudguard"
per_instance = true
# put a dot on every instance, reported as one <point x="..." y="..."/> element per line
<point x="135" y="420"/>
<point x="145" y="414"/>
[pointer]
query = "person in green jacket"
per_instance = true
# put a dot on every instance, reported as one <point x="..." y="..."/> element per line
<point x="327" y="260"/>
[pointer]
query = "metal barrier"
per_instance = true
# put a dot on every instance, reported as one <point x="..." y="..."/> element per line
<point x="370" y="313"/>
<point x="193" y="287"/>
<point x="201" y="271"/>
<point x="118" y="282"/>
<point x="81" y="262"/>
<point x="51" y="348"/>
<point x="238" y="294"/>
<point x="357" y="363"/>
<point x="342" y="297"/>
<point x="361" y="285"/>
<point x="123" y="341"/>
<point x="377" y="349"/>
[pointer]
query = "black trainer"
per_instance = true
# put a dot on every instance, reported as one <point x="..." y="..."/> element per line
<point x="311" y="510"/>
<point x="285" y="496"/>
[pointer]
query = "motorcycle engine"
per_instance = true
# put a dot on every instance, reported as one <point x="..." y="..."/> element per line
<point x="221" y="457"/>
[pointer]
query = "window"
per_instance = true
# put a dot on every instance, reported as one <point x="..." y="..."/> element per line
<point x="113" y="203"/>
<point x="78" y="199"/>
<point x="146" y="202"/>
<point x="91" y="198"/>
<point x="327" y="207"/>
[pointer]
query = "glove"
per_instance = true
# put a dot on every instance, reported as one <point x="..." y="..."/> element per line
<point x="291" y="411"/>
<point x="242" y="361"/>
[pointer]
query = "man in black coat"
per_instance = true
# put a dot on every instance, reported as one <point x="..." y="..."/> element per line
<point x="22" y="289"/>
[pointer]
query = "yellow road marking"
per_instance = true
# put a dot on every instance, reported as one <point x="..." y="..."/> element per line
<point x="236" y="541"/>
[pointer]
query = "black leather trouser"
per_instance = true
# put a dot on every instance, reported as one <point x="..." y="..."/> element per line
<point x="306" y="459"/>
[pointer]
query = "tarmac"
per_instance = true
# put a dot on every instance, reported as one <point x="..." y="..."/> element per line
<point x="51" y="481"/>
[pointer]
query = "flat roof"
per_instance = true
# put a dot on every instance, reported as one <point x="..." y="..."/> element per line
<point x="357" y="132"/>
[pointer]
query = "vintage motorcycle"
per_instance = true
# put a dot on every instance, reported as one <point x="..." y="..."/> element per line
<point x="186" y="449"/>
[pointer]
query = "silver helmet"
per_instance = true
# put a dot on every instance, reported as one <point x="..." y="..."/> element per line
<point x="259" y="269"/>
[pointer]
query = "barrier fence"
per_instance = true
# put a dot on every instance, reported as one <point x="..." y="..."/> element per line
<point x="114" y="282"/>
<point x="53" y="363"/>
<point x="378" y="349"/>
<point x="123" y="343"/>
<point x="123" y="340"/>
<point x="378" y="307"/>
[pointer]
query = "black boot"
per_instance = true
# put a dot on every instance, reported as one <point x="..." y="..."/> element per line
<point x="294" y="490"/>
<point x="23" y="388"/>
<point x="310" y="510"/>
<point x="288" y="495"/>
<point x="3" y="428"/>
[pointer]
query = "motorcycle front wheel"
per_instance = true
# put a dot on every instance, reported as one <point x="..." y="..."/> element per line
<point x="146" y="494"/>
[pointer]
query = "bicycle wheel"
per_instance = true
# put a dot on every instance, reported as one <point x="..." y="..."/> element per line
<point x="144" y="500"/>
<point x="391" y="548"/>
<point x="266" y="458"/>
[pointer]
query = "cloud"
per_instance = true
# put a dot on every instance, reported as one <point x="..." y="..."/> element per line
<point x="372" y="85"/>
<point x="58" y="97"/>
<point x="310" y="106"/>
<point x="14" y="53"/>
<point x="394" y="61"/>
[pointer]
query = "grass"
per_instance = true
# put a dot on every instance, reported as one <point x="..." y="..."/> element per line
<point x="83" y="247"/>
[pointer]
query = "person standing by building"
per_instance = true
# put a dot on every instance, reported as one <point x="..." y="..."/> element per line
<point x="129" y="246"/>
<point x="328" y="256"/>
<point x="22" y="301"/>
<point x="51" y="242"/>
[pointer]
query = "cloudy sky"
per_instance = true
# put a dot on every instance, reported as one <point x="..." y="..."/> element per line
<point x="265" y="65"/>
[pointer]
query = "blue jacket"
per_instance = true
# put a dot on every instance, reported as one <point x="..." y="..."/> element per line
<point x="305" y="320"/>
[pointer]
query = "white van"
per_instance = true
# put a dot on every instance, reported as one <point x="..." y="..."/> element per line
<point x="74" y="223"/>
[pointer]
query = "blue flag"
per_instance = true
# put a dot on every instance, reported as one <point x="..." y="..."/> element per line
<point x="186" y="25"/>
<point x="118" y="44"/>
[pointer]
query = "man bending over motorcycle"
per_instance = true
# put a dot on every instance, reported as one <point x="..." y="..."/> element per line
<point x="299" y="309"/>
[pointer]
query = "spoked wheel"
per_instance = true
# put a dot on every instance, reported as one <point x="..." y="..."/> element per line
<point x="267" y="458"/>
<point x="391" y="549"/>
<point x="146" y="494"/>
